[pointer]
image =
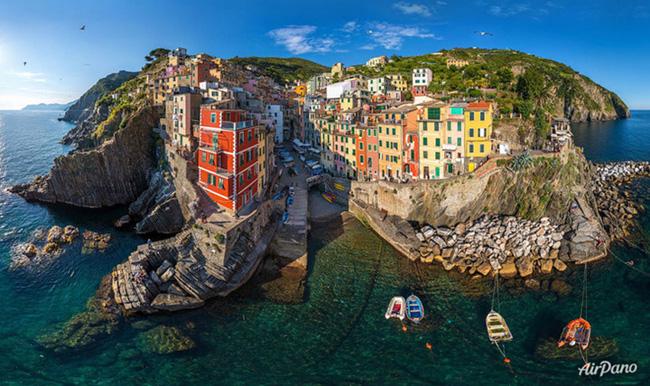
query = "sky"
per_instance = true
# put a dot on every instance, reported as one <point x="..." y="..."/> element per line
<point x="605" y="40"/>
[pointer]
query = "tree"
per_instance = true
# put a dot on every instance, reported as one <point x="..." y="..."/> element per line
<point x="530" y="84"/>
<point x="475" y="93"/>
<point x="158" y="52"/>
<point x="541" y="125"/>
<point x="524" y="108"/>
<point x="504" y="76"/>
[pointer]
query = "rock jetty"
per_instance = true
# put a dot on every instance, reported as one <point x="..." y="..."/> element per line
<point x="511" y="245"/>
<point x="616" y="205"/>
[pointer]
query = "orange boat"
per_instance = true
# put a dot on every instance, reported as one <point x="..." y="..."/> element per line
<point x="577" y="331"/>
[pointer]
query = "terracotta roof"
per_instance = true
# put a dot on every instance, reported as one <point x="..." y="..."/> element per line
<point x="482" y="105"/>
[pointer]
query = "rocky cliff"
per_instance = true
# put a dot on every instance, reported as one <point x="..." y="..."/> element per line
<point x="115" y="172"/>
<point x="544" y="189"/>
<point x="83" y="108"/>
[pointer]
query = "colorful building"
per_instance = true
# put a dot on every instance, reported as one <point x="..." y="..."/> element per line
<point x="431" y="126"/>
<point x="227" y="157"/>
<point x="391" y="129"/>
<point x="398" y="82"/>
<point x="478" y="131"/>
<point x="185" y="107"/>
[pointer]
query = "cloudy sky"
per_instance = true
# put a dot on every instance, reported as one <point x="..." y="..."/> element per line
<point x="45" y="57"/>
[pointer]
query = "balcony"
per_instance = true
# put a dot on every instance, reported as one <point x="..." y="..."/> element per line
<point x="210" y="147"/>
<point x="237" y="125"/>
<point x="448" y="147"/>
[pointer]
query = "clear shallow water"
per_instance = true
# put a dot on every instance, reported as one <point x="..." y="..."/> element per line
<point x="338" y="335"/>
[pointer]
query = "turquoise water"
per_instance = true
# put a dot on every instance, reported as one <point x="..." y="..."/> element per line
<point x="337" y="336"/>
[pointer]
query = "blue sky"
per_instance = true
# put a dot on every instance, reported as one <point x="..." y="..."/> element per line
<point x="606" y="40"/>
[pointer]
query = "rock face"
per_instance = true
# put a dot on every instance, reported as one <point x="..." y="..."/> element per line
<point x="83" y="107"/>
<point x="158" y="207"/>
<point x="114" y="173"/>
<point x="545" y="189"/>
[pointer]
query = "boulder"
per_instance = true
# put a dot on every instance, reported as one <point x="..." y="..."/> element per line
<point x="484" y="268"/>
<point x="29" y="250"/>
<point x="171" y="302"/>
<point x="561" y="287"/>
<point x="427" y="259"/>
<point x="164" y="266"/>
<point x="54" y="234"/>
<point x="559" y="265"/>
<point x="122" y="221"/>
<point x="460" y="229"/>
<point x="508" y="270"/>
<point x="525" y="266"/>
<point x="546" y="266"/>
<point x="533" y="284"/>
<point x="168" y="275"/>
<point x="165" y="340"/>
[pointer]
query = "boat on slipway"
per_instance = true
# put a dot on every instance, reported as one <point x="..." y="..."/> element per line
<point x="396" y="308"/>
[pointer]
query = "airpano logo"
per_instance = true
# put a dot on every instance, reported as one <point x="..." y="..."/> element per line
<point x="606" y="367"/>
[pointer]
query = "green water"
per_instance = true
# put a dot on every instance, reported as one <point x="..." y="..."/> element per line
<point x="338" y="335"/>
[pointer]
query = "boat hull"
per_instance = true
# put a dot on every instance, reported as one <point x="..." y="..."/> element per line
<point x="497" y="328"/>
<point x="414" y="309"/>
<point x="396" y="308"/>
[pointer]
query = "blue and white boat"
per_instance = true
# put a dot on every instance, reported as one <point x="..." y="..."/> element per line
<point x="414" y="309"/>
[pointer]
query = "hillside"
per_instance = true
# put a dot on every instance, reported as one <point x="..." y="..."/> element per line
<point x="283" y="70"/>
<point x="83" y="107"/>
<point x="519" y="82"/>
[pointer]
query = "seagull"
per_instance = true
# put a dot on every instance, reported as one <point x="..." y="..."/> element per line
<point x="483" y="33"/>
<point x="24" y="63"/>
<point x="83" y="27"/>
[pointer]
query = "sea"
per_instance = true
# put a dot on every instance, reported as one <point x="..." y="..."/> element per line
<point x="337" y="334"/>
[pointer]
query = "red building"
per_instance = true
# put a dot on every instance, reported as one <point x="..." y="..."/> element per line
<point x="411" y="152"/>
<point x="227" y="157"/>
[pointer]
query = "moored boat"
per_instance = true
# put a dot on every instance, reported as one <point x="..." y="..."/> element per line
<point x="396" y="308"/>
<point x="414" y="309"/>
<point x="576" y="332"/>
<point x="497" y="328"/>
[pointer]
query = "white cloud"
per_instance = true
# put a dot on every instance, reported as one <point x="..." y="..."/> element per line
<point x="413" y="8"/>
<point x="391" y="36"/>
<point x="508" y="10"/>
<point x="350" y="27"/>
<point x="31" y="76"/>
<point x="298" y="39"/>
<point x="368" y="47"/>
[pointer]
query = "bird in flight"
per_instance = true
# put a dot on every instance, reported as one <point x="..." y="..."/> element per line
<point x="483" y="33"/>
<point x="83" y="27"/>
<point x="24" y="63"/>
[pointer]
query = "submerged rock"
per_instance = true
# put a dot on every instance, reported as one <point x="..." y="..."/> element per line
<point x="95" y="241"/>
<point x="165" y="340"/>
<point x="599" y="348"/>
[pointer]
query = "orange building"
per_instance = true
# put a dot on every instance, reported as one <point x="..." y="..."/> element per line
<point x="227" y="157"/>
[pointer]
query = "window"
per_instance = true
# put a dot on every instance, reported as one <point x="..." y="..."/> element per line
<point x="437" y="141"/>
<point x="361" y="159"/>
<point x="471" y="115"/>
<point x="437" y="155"/>
<point x="424" y="126"/>
<point x="481" y="132"/>
<point x="241" y="138"/>
<point x="250" y="135"/>
<point x="203" y="156"/>
<point x="449" y="125"/>
<point x="220" y="183"/>
<point x="241" y="160"/>
<point x="424" y="141"/>
<point x="459" y="126"/>
<point x="412" y="154"/>
<point x="458" y="141"/>
<point x="379" y="143"/>
<point x="471" y="132"/>
<point x="425" y="154"/>
<point x="227" y="116"/>
<point x="360" y="145"/>
<point x="213" y="117"/>
<point x="241" y="179"/>
<point x="482" y="115"/>
<point x="393" y="131"/>
<point x="449" y="140"/>
<point x="436" y="126"/>
<point x="481" y="148"/>
<point x="211" y="162"/>
<point x="471" y="148"/>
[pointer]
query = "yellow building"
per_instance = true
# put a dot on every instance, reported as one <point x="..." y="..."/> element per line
<point x="456" y="62"/>
<point x="478" y="131"/>
<point x="431" y="133"/>
<point x="338" y="70"/>
<point x="391" y="139"/>
<point x="301" y="90"/>
<point x="398" y="82"/>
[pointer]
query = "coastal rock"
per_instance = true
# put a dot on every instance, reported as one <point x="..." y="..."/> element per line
<point x="559" y="265"/>
<point x="561" y="287"/>
<point x="165" y="340"/>
<point x="532" y="284"/>
<point x="122" y="221"/>
<point x="171" y="302"/>
<point x="546" y="266"/>
<point x="157" y="207"/>
<point x="55" y="234"/>
<point x="484" y="269"/>
<point x="113" y="173"/>
<point x="508" y="270"/>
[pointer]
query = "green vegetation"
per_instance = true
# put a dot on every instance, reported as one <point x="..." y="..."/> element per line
<point x="283" y="70"/>
<point x="120" y="102"/>
<point x="534" y="88"/>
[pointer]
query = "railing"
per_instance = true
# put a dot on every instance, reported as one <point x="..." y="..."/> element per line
<point x="237" y="125"/>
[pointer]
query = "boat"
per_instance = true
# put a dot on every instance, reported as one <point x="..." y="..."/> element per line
<point x="414" y="309"/>
<point x="396" y="308"/>
<point x="577" y="331"/>
<point x="497" y="328"/>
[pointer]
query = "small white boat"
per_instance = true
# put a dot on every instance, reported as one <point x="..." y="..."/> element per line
<point x="497" y="328"/>
<point x="396" y="308"/>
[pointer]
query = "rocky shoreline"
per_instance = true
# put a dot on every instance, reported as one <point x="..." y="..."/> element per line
<point x="616" y="205"/>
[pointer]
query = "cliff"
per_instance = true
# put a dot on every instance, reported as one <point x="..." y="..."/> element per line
<point x="84" y="107"/>
<point x="115" y="172"/>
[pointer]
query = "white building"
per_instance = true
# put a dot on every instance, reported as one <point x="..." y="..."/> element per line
<point x="335" y="90"/>
<point x="378" y="85"/>
<point x="422" y="77"/>
<point x="377" y="61"/>
<point x="274" y="112"/>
